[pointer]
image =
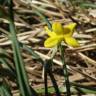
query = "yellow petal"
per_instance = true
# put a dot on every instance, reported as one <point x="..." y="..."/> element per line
<point x="71" y="41"/>
<point x="69" y="29"/>
<point x="51" y="34"/>
<point x="57" y="28"/>
<point x="51" y="42"/>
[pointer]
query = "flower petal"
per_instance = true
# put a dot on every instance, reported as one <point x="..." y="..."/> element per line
<point x="51" y="34"/>
<point x="57" y="28"/>
<point x="51" y="42"/>
<point x="71" y="41"/>
<point x="69" y="29"/>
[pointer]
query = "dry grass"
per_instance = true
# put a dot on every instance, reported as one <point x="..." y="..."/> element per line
<point x="30" y="31"/>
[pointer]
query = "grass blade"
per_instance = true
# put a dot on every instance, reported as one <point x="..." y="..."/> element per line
<point x="19" y="64"/>
<point x="4" y="89"/>
<point x="49" y="72"/>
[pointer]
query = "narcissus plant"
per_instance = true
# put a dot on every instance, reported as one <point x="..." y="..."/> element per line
<point x="59" y="34"/>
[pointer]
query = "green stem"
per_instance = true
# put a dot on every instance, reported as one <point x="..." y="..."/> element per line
<point x="65" y="71"/>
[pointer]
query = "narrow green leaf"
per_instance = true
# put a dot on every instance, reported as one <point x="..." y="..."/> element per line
<point x="31" y="51"/>
<point x="48" y="68"/>
<point x="25" y="89"/>
<point x="88" y="5"/>
<point x="4" y="61"/>
<point x="44" y="19"/>
<point x="4" y="89"/>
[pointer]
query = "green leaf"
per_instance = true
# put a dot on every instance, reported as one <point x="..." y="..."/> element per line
<point x="44" y="19"/>
<point x="22" y="78"/>
<point x="4" y="89"/>
<point x="88" y="5"/>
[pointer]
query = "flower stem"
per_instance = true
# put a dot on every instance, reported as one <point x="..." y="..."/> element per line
<point x="65" y="71"/>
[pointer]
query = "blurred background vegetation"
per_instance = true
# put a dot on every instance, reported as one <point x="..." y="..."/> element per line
<point x="24" y="61"/>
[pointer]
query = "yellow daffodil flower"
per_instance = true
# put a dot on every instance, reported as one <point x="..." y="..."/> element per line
<point x="60" y="33"/>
